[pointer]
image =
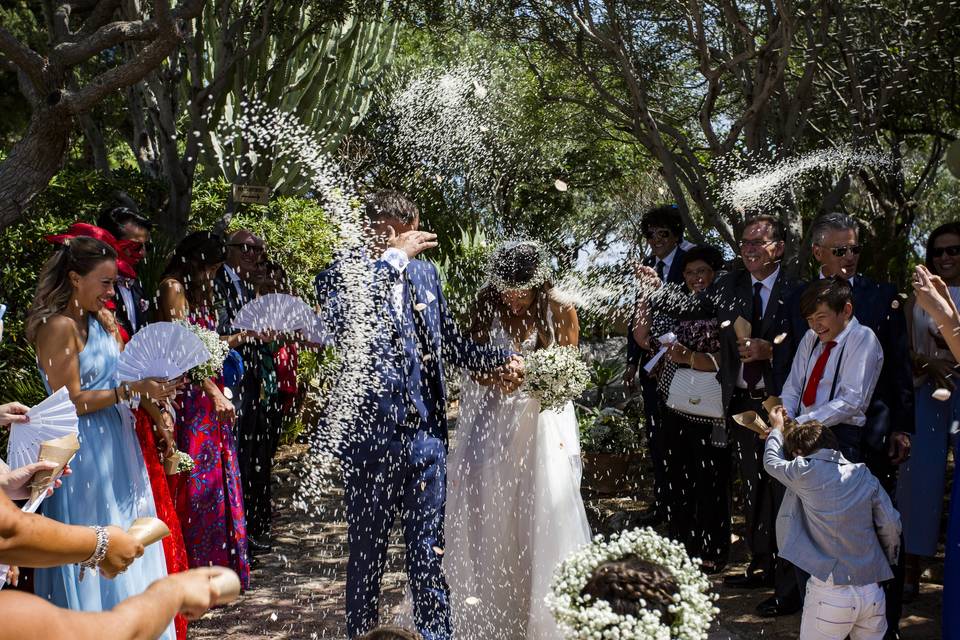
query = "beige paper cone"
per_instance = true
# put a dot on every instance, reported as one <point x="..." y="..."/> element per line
<point x="752" y="421"/>
<point x="148" y="530"/>
<point x="227" y="584"/>
<point x="59" y="450"/>
<point x="772" y="403"/>
<point x="742" y="327"/>
<point x="170" y="464"/>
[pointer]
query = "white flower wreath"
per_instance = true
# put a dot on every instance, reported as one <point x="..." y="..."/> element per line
<point x="584" y="618"/>
<point x="496" y="258"/>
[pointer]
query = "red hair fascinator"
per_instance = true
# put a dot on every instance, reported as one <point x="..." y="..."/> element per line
<point x="129" y="252"/>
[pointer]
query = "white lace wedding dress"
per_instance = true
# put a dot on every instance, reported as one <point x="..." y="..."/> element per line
<point x="513" y="512"/>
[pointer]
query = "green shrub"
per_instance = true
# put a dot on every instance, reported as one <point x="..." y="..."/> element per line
<point x="298" y="234"/>
<point x="607" y="430"/>
<point x="461" y="267"/>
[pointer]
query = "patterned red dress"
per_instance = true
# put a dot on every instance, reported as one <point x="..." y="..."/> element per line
<point x="173" y="548"/>
<point x="209" y="499"/>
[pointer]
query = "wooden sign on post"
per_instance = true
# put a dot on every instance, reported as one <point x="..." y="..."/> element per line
<point x="251" y="194"/>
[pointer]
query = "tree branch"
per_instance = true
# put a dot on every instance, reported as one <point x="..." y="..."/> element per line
<point x="26" y="59"/>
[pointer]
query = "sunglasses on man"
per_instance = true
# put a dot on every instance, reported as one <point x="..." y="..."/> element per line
<point x="661" y="234"/>
<point x="952" y="251"/>
<point x="252" y="248"/>
<point x="854" y="249"/>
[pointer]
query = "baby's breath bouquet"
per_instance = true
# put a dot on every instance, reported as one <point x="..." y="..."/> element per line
<point x="218" y="352"/>
<point x="179" y="462"/>
<point x="554" y="376"/>
<point x="582" y="617"/>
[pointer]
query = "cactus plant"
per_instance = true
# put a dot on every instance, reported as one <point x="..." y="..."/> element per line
<point x="325" y="76"/>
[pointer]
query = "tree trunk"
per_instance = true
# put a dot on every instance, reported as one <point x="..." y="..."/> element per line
<point x="33" y="161"/>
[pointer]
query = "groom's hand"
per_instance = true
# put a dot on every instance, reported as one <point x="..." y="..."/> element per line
<point x="411" y="243"/>
<point x="511" y="374"/>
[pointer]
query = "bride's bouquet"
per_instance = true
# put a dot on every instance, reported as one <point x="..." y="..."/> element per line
<point x="554" y="376"/>
<point x="218" y="352"/>
<point x="636" y="585"/>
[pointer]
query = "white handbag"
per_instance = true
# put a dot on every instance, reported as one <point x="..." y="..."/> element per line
<point x="696" y="393"/>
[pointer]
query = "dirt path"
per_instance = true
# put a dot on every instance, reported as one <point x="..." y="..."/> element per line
<point x="298" y="589"/>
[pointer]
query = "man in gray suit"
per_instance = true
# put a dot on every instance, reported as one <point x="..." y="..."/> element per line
<point x="837" y="524"/>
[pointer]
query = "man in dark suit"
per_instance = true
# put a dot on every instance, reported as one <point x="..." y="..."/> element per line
<point x="395" y="444"/>
<point x="132" y="232"/>
<point x="751" y="369"/>
<point x="885" y="440"/>
<point x="663" y="229"/>
<point x="233" y="288"/>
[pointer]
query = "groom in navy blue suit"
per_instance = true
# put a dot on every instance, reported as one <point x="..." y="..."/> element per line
<point x="394" y="454"/>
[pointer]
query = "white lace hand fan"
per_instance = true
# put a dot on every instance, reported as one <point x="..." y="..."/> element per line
<point x="275" y="312"/>
<point x="161" y="350"/>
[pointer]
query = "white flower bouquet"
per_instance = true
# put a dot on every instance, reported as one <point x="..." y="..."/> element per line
<point x="555" y="375"/>
<point x="218" y="352"/>
<point x="582" y="617"/>
<point x="179" y="462"/>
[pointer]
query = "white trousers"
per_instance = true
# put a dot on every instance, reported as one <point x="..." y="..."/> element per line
<point x="833" y="612"/>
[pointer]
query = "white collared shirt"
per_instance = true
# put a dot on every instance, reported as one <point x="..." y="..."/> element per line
<point x="850" y="279"/>
<point x="399" y="261"/>
<point x="862" y="359"/>
<point x="128" y="305"/>
<point x="237" y="282"/>
<point x="766" y="290"/>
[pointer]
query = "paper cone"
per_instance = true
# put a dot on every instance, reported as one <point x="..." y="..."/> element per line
<point x="170" y="464"/>
<point x="59" y="450"/>
<point x="772" y="403"/>
<point x="227" y="583"/>
<point x="742" y="327"/>
<point x="752" y="421"/>
<point x="148" y="530"/>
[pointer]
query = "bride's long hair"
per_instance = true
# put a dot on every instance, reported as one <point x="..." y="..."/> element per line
<point x="79" y="255"/>
<point x="517" y="265"/>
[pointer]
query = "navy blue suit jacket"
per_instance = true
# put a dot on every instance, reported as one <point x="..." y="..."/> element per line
<point x="674" y="276"/>
<point x="383" y="403"/>
<point x="877" y="305"/>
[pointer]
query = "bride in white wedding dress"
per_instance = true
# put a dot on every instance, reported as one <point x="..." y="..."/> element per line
<point x="514" y="509"/>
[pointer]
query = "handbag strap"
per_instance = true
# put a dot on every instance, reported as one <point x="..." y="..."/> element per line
<point x="716" y="367"/>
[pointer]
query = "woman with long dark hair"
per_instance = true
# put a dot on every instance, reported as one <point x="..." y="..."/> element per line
<point x="514" y="508"/>
<point x="210" y="500"/>
<point x="78" y="347"/>
<point x="922" y="479"/>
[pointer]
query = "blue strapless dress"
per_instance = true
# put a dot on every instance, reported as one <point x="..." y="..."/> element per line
<point x="109" y="486"/>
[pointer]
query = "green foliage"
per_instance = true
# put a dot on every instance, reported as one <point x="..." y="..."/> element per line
<point x="607" y="430"/>
<point x="604" y="374"/>
<point x="299" y="236"/>
<point x="461" y="267"/>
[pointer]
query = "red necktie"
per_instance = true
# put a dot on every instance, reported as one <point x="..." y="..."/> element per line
<point x="810" y="393"/>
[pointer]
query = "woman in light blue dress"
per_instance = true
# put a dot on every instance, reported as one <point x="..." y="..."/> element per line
<point x="77" y="347"/>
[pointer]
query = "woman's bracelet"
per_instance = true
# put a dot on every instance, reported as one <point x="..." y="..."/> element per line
<point x="93" y="562"/>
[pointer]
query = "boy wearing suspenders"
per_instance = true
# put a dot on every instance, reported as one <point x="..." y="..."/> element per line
<point x="836" y="367"/>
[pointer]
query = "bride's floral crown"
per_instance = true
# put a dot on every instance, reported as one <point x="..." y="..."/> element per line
<point x="518" y="264"/>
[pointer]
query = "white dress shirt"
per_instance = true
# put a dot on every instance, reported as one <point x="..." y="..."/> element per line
<point x="858" y="373"/>
<point x="765" y="292"/>
<point x="128" y="305"/>
<point x="237" y="282"/>
<point x="850" y="279"/>
<point x="398" y="260"/>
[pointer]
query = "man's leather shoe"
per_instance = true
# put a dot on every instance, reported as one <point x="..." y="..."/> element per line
<point x="258" y="546"/>
<point x="776" y="606"/>
<point x="650" y="518"/>
<point x="754" y="580"/>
